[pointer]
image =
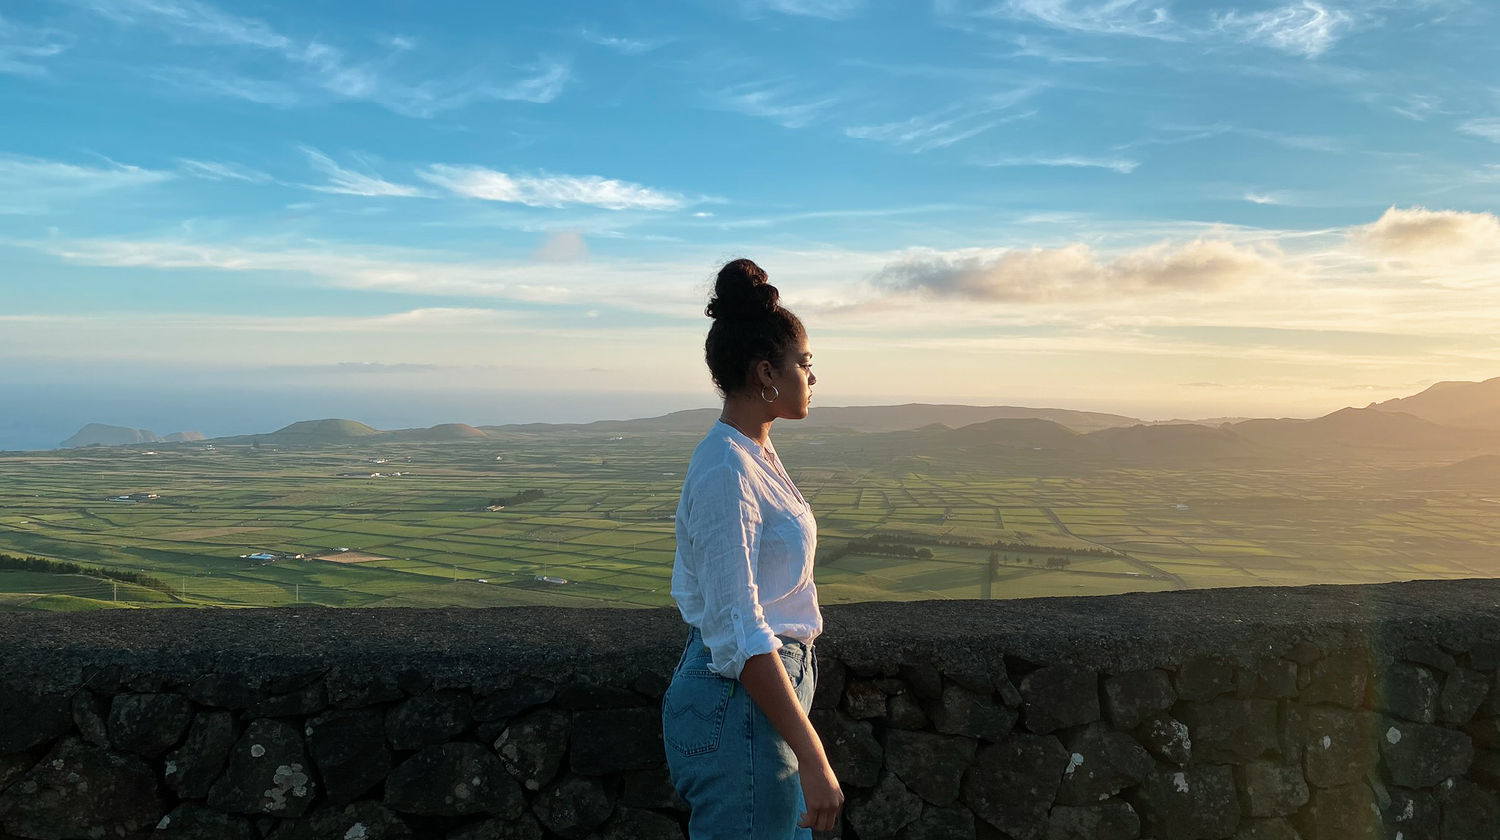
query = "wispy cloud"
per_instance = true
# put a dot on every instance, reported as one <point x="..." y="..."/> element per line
<point x="1029" y="47"/>
<point x="220" y="171"/>
<point x="1173" y="135"/>
<point x="232" y="85"/>
<point x="932" y="131"/>
<point x="349" y="182"/>
<point x="544" y="82"/>
<point x="1120" y="165"/>
<point x="769" y="101"/>
<point x="639" y="286"/>
<point x="1416" y="106"/>
<point x="836" y="215"/>
<point x="1307" y="142"/>
<point x="1139" y="18"/>
<point x="1261" y="198"/>
<point x="312" y="70"/>
<point x="414" y="320"/>
<point x="1308" y="29"/>
<point x="1078" y="273"/>
<point x="549" y="190"/>
<point x="35" y="185"/>
<point x="23" y="49"/>
<point x="949" y="125"/>
<point x="826" y="9"/>
<point x="627" y="46"/>
<point x="192" y="21"/>
<point x="1487" y="128"/>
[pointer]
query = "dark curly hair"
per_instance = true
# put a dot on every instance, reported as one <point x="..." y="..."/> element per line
<point x="749" y="325"/>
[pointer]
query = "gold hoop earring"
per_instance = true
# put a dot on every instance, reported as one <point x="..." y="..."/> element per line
<point x="773" y="390"/>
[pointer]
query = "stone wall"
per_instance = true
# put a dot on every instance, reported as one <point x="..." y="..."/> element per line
<point x="1257" y="714"/>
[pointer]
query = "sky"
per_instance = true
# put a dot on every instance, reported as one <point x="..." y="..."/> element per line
<point x="232" y="215"/>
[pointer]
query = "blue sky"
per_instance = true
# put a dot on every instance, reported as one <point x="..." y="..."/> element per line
<point x="1163" y="209"/>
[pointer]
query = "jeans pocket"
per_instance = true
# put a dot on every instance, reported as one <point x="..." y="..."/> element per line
<point x="795" y="665"/>
<point x="693" y="711"/>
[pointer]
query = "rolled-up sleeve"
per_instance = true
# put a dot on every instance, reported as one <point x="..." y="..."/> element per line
<point x="724" y="524"/>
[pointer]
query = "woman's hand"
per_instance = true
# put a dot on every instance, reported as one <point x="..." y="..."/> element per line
<point x="824" y="797"/>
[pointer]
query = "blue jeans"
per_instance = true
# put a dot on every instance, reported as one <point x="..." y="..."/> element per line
<point x="728" y="764"/>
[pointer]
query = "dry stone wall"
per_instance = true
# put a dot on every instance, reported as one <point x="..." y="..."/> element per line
<point x="1321" y="713"/>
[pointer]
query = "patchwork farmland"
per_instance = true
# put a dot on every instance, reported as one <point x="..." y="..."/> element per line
<point x="228" y="523"/>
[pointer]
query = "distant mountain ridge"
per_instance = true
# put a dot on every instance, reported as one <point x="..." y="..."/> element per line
<point x="1461" y="418"/>
<point x="862" y="418"/>
<point x="100" y="434"/>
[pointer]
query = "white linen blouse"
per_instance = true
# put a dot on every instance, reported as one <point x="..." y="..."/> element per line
<point x="743" y="573"/>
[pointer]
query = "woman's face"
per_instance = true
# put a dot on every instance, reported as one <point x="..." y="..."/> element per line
<point x="794" y="381"/>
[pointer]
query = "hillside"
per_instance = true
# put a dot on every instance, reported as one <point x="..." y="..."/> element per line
<point x="1465" y="405"/>
<point x="182" y="437"/>
<point x="1363" y="428"/>
<point x="321" y="431"/>
<point x="1173" y="443"/>
<point x="440" y="432"/>
<point x="1027" y="433"/>
<point x="1479" y="474"/>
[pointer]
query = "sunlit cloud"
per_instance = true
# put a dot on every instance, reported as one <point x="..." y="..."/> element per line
<point x="349" y="182"/>
<point x="1076" y="272"/>
<point x="1305" y="28"/>
<point x="1417" y="233"/>
<point x="548" y="190"/>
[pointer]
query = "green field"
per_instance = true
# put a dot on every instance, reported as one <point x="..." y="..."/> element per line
<point x="604" y="524"/>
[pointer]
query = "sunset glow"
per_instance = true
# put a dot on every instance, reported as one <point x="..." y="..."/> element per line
<point x="1155" y="208"/>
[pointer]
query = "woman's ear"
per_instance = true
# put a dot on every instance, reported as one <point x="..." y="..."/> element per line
<point x="763" y="373"/>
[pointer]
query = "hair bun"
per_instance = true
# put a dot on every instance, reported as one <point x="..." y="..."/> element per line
<point x="742" y="293"/>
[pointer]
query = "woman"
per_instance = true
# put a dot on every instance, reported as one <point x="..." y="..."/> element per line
<point x="740" y="749"/>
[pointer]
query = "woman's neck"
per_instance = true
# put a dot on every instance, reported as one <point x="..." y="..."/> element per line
<point x="749" y="419"/>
